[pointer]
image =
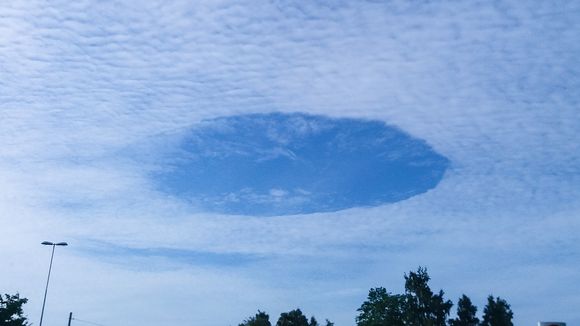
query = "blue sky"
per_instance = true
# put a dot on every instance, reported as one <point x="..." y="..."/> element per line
<point x="281" y="164"/>
<point x="104" y="103"/>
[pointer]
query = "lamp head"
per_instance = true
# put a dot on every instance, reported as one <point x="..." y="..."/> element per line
<point x="48" y="243"/>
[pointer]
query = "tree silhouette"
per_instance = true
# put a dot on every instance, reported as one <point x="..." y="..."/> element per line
<point x="422" y="306"/>
<point x="381" y="309"/>
<point x="11" y="313"/>
<point x="465" y="313"/>
<point x="260" y="319"/>
<point x="297" y="318"/>
<point x="418" y="306"/>
<point x="497" y="312"/>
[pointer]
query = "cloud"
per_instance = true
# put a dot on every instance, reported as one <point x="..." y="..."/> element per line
<point x="491" y="86"/>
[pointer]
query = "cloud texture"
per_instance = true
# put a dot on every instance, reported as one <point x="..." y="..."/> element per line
<point x="491" y="85"/>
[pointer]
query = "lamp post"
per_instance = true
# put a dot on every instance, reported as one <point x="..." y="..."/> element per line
<point x="48" y="243"/>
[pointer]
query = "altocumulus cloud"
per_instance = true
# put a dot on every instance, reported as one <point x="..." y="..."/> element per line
<point x="94" y="95"/>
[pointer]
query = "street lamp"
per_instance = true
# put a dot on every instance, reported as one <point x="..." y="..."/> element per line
<point x="48" y="243"/>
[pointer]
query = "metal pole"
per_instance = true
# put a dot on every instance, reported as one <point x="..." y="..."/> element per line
<point x="69" y="318"/>
<point x="46" y="289"/>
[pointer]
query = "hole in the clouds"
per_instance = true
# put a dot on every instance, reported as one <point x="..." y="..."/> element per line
<point x="280" y="164"/>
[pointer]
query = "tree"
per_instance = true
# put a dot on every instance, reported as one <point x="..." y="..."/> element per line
<point x="297" y="318"/>
<point x="465" y="313"/>
<point x="292" y="318"/>
<point x="381" y="309"/>
<point x="418" y="306"/>
<point x="11" y="313"/>
<point x="497" y="312"/>
<point x="260" y="319"/>
<point x="422" y="307"/>
<point x="313" y="321"/>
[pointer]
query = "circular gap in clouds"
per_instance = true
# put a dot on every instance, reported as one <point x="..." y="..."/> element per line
<point x="281" y="164"/>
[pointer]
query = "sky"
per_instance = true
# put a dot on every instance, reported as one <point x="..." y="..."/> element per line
<point x="206" y="159"/>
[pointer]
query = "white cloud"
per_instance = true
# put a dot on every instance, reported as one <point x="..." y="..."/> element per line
<point x="491" y="86"/>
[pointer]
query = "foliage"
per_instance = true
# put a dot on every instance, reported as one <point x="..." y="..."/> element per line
<point x="313" y="321"/>
<point x="418" y="306"/>
<point x="292" y="318"/>
<point x="295" y="318"/>
<point x="466" y="312"/>
<point x="497" y="312"/>
<point x="260" y="319"/>
<point x="381" y="308"/>
<point x="11" y="313"/>
<point x="422" y="307"/>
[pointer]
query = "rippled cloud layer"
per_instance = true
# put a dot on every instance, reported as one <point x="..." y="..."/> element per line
<point x="95" y="95"/>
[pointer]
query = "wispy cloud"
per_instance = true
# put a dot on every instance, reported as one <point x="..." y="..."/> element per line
<point x="491" y="86"/>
